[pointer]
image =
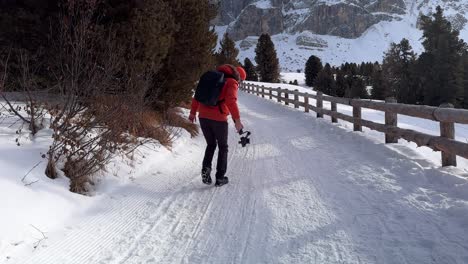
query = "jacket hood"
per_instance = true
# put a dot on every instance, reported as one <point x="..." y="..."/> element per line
<point x="229" y="70"/>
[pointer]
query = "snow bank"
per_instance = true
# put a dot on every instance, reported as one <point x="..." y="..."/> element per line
<point x="39" y="204"/>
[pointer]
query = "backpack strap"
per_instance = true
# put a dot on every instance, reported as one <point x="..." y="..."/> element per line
<point x="223" y="100"/>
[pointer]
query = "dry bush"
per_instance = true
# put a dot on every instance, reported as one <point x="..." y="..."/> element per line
<point x="90" y="127"/>
<point x="32" y="113"/>
<point x="186" y="105"/>
<point x="153" y="126"/>
<point x="50" y="168"/>
<point x="78" y="183"/>
<point x="100" y="88"/>
<point x="175" y="118"/>
<point x="102" y="112"/>
<point x="138" y="122"/>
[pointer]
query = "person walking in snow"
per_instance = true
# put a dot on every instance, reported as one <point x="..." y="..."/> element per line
<point x="214" y="122"/>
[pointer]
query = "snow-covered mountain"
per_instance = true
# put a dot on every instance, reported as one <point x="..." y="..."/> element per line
<point x="335" y="30"/>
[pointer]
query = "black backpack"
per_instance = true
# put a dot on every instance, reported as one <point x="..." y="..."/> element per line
<point x="209" y="88"/>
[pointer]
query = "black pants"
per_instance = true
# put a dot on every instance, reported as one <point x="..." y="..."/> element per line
<point x="216" y="133"/>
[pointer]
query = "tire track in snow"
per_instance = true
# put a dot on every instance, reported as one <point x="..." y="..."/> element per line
<point x="124" y="211"/>
<point x="156" y="219"/>
<point x="220" y="218"/>
<point x="170" y="224"/>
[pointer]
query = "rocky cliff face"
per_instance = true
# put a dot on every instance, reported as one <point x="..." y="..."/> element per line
<point x="348" y="21"/>
<point x="253" y="21"/>
<point x="229" y="10"/>
<point x="343" y="18"/>
<point x="335" y="30"/>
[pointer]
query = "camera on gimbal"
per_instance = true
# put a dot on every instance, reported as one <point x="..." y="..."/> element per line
<point x="244" y="140"/>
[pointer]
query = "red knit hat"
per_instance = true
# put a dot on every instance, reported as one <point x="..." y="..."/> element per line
<point x="242" y="73"/>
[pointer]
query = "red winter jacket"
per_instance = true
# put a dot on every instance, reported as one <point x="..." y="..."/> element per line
<point x="228" y="106"/>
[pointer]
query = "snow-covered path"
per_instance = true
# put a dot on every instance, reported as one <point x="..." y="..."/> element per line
<point x="305" y="191"/>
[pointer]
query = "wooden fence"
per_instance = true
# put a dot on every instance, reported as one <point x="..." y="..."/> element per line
<point x="445" y="114"/>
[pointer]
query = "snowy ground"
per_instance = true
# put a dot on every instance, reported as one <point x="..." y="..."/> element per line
<point x="31" y="203"/>
<point x="305" y="191"/>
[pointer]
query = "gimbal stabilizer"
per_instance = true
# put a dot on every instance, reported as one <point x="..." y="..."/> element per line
<point x="244" y="140"/>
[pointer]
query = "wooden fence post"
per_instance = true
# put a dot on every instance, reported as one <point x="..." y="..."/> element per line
<point x="296" y="98"/>
<point x="286" y="96"/>
<point x="306" y="102"/>
<point x="319" y="104"/>
<point x="334" y="109"/>
<point x="391" y="119"/>
<point x="271" y="93"/>
<point x="447" y="130"/>
<point x="263" y="91"/>
<point x="279" y="94"/>
<point x="357" y="114"/>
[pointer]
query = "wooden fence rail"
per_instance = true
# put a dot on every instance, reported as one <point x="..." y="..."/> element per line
<point x="446" y="115"/>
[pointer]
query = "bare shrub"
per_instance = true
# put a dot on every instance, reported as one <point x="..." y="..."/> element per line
<point x="31" y="111"/>
<point x="98" y="114"/>
<point x="175" y="118"/>
<point x="100" y="80"/>
<point x="50" y="171"/>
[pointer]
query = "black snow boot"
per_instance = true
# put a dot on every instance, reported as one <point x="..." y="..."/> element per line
<point x="221" y="181"/>
<point x="206" y="177"/>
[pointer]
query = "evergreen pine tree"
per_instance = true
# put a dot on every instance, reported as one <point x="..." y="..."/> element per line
<point x="443" y="82"/>
<point x="250" y="70"/>
<point x="353" y="69"/>
<point x="379" y="86"/>
<point x="312" y="68"/>
<point x="362" y="69"/>
<point x="465" y="80"/>
<point x="397" y="69"/>
<point x="267" y="60"/>
<point x="369" y="69"/>
<point x="341" y="84"/>
<point x="228" y="52"/>
<point x="367" y="72"/>
<point x="325" y="81"/>
<point x="146" y="33"/>
<point x="346" y="68"/>
<point x="191" y="52"/>
<point x="358" y="88"/>
<point x="24" y="30"/>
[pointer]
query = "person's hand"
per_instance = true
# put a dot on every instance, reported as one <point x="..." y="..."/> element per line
<point x="192" y="118"/>
<point x="238" y="125"/>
